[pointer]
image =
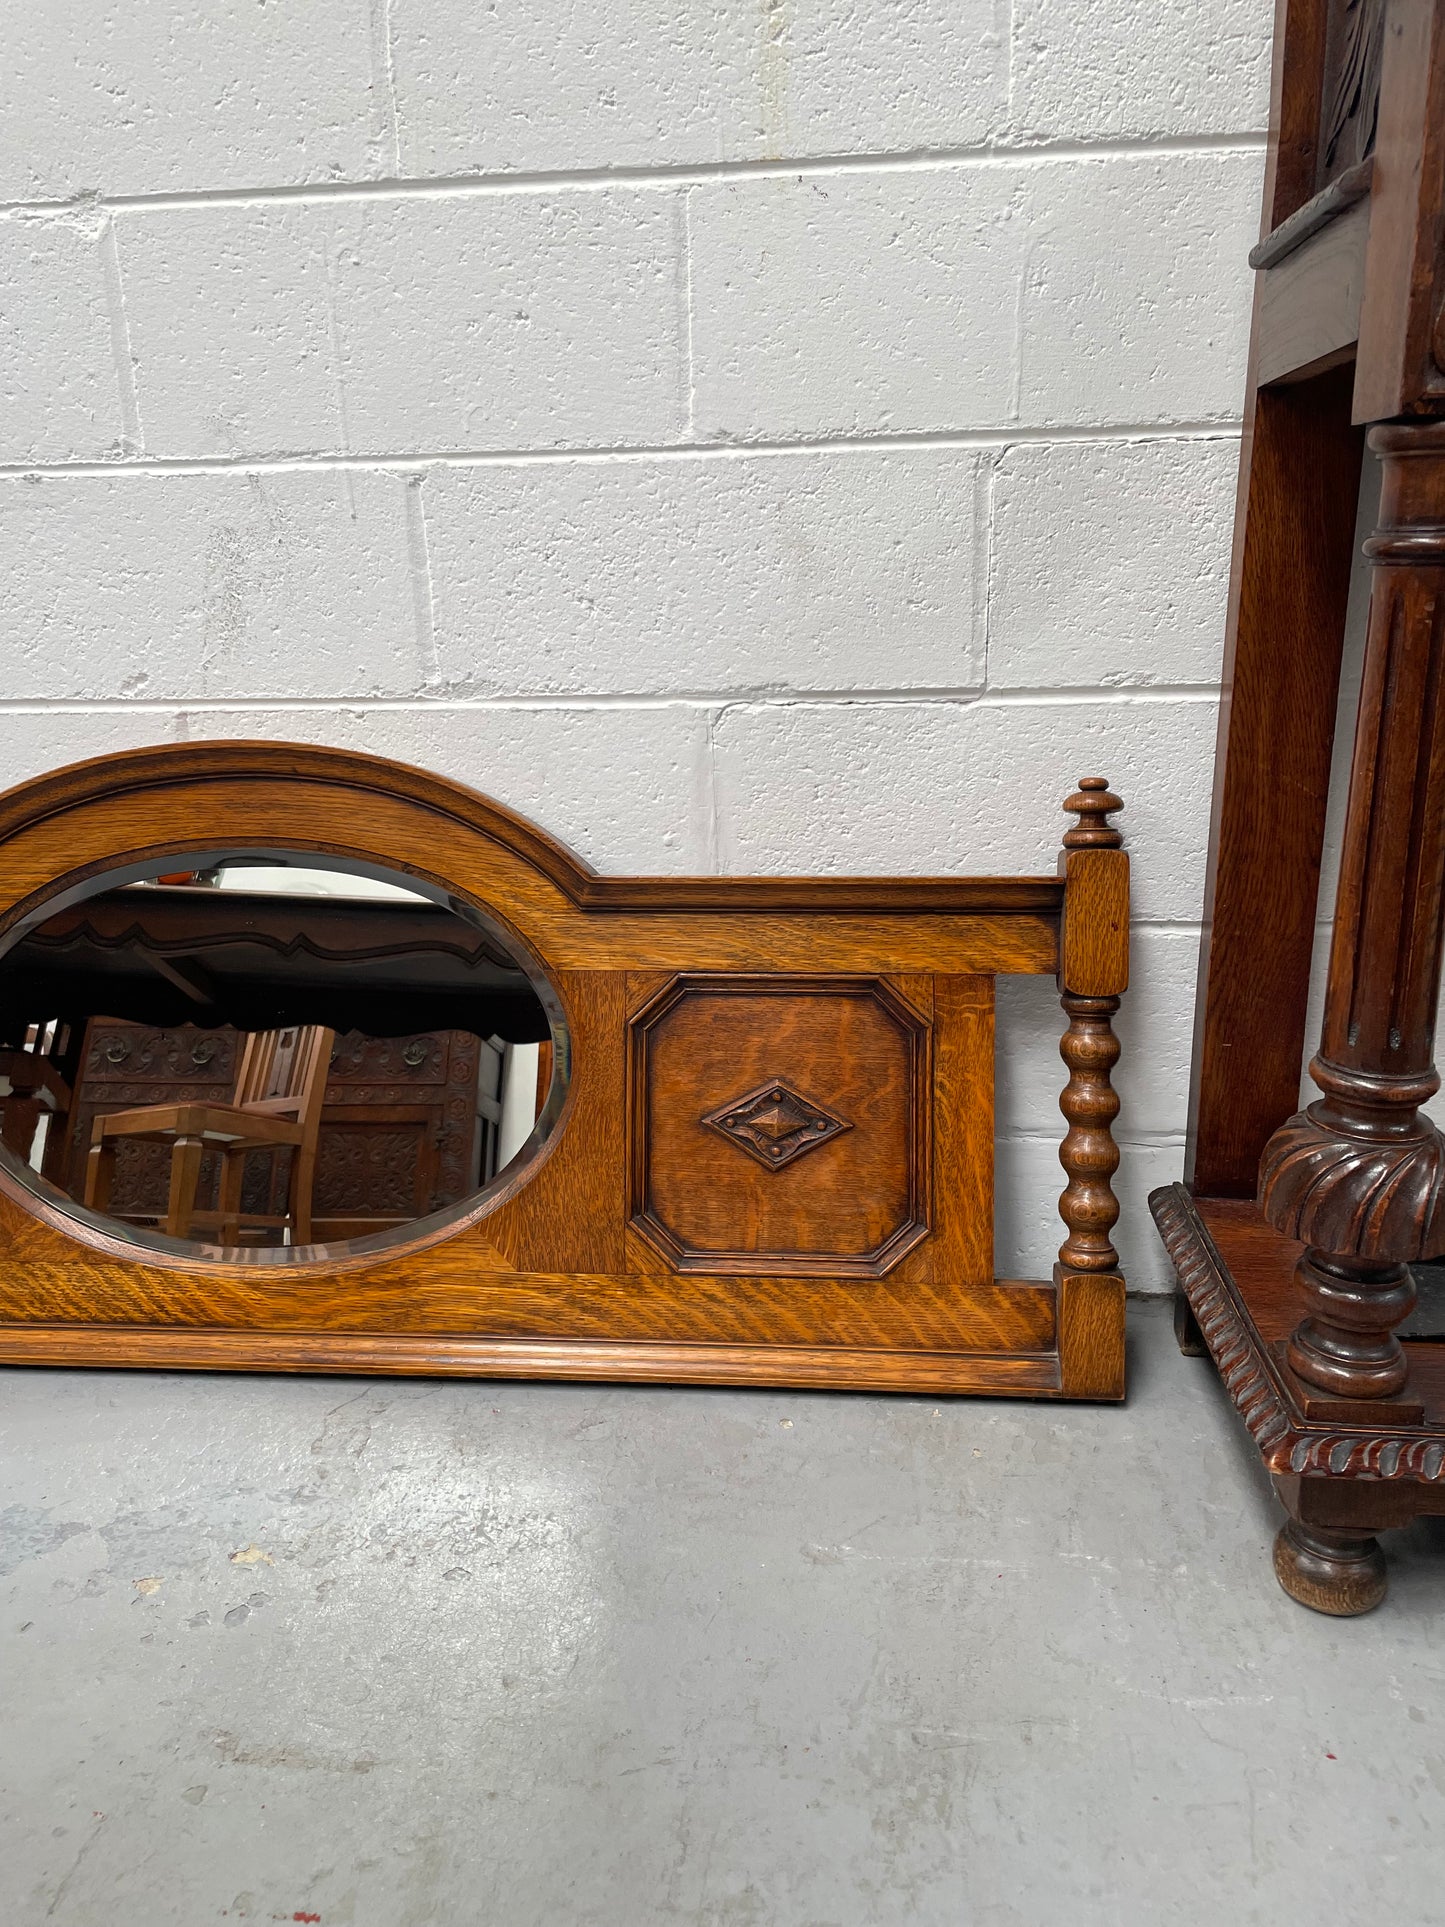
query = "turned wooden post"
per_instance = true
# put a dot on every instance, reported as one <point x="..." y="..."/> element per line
<point x="1358" y="1175"/>
<point x="1093" y="972"/>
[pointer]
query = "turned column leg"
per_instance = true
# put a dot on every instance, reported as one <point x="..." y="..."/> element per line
<point x="233" y="1174"/>
<point x="303" y="1184"/>
<point x="1359" y="1177"/>
<point x="1088" y="1153"/>
<point x="21" y="1116"/>
<point x="1346" y="1342"/>
<point x="99" y="1174"/>
<point x="186" y="1155"/>
<point x="1093" y="971"/>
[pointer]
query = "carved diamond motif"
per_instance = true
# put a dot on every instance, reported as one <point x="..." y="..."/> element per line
<point x="774" y="1124"/>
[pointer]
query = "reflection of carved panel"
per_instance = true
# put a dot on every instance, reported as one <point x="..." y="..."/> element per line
<point x="124" y="1065"/>
<point x="398" y="1131"/>
<point x="375" y="1170"/>
<point x="776" y="1125"/>
<point x="858" y="1051"/>
<point x="391" y="1060"/>
<point x="1350" y="101"/>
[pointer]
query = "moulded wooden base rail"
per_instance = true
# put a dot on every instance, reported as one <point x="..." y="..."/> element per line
<point x="1086" y="1362"/>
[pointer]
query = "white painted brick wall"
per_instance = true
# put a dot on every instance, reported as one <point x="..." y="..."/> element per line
<point x="599" y="83"/>
<point x="776" y="434"/>
<point x="57" y="380"/>
<point x="680" y="576"/>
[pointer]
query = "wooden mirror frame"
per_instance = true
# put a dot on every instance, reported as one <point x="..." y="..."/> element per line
<point x="774" y="1161"/>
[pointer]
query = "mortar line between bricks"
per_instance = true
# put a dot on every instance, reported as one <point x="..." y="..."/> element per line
<point x="713" y="804"/>
<point x="132" y="437"/>
<point x="388" y="67"/>
<point x="423" y="589"/>
<point x="659" y="175"/>
<point x="1140" y="1140"/>
<point x="1051" y="697"/>
<point x="941" y="438"/>
<point x="687" y="318"/>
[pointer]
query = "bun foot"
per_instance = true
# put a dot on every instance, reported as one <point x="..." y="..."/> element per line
<point x="1187" y="1334"/>
<point x="1330" y="1572"/>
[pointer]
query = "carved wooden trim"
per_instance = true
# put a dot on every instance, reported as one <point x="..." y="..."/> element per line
<point x="1359" y="1177"/>
<point x="642" y="1214"/>
<point x="1355" y="1194"/>
<point x="1248" y="1376"/>
<point x="1286" y="1442"/>
<point x="1400" y="368"/>
<point x="1093" y="803"/>
<point x="1350" y="107"/>
<point x="774" y="1124"/>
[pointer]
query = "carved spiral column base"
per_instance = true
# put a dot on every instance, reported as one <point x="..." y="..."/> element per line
<point x="1343" y="1472"/>
<point x="1359" y="1177"/>
<point x="1361" y="1188"/>
<point x="1341" y="1573"/>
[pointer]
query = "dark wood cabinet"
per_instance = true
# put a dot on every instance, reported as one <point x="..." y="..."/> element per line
<point x="1293" y="1235"/>
<point x="405" y="1129"/>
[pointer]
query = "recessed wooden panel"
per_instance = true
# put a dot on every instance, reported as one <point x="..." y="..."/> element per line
<point x="780" y="1123"/>
<point x="961" y="1245"/>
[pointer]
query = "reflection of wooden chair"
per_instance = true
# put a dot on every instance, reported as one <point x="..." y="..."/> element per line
<point x="32" y="1086"/>
<point x="277" y="1105"/>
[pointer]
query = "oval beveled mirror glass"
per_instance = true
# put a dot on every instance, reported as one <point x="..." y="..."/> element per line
<point x="267" y="1056"/>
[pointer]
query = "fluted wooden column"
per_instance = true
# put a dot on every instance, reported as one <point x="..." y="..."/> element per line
<point x="1358" y="1176"/>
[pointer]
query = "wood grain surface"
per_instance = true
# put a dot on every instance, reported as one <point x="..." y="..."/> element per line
<point x="1290" y="579"/>
<point x="1009" y="1375"/>
<point x="853" y="1203"/>
<point x="1091" y="1333"/>
<point x="865" y="1260"/>
<point x="1359" y="1175"/>
<point x="1309" y="303"/>
<point x="1094" y="941"/>
<point x="1401" y="368"/>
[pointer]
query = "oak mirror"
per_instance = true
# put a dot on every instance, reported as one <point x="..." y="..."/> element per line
<point x="266" y="1056"/>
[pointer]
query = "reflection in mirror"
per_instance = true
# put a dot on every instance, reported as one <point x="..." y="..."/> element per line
<point x="265" y="1052"/>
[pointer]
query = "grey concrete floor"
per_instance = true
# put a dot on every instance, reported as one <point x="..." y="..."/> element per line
<point x="418" y="1654"/>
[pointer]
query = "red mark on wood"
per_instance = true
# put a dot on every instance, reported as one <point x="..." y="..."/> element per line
<point x="298" y="1915"/>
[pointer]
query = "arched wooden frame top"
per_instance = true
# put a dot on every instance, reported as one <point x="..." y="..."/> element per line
<point x="563" y="1270"/>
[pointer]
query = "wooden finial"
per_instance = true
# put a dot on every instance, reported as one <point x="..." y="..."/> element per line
<point x="1092" y="803"/>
